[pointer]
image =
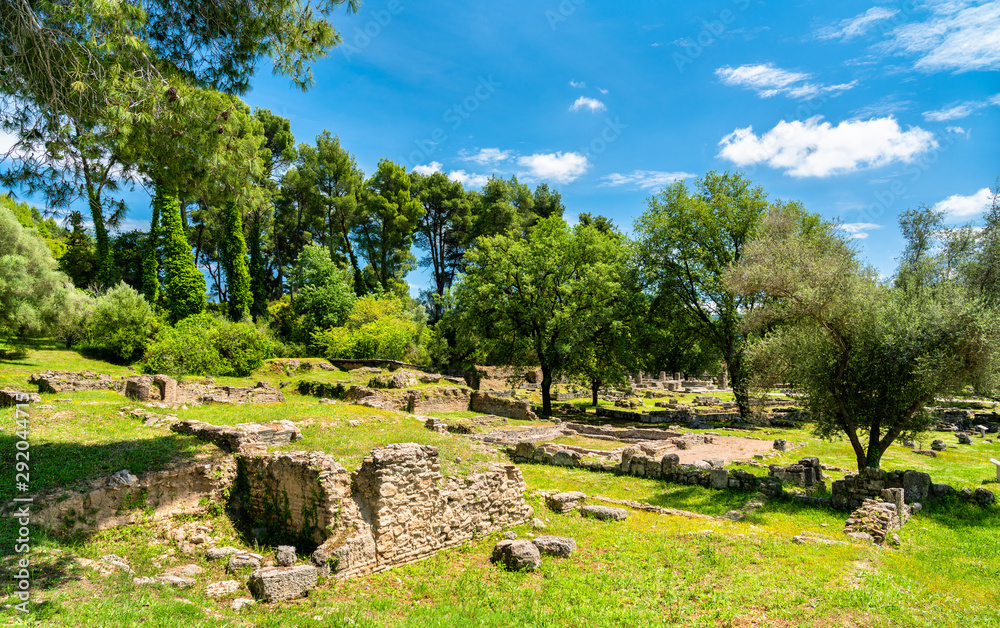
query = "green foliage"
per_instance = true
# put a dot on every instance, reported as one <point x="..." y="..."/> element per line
<point x="151" y="257"/>
<point x="868" y="357"/>
<point x="208" y="345"/>
<point x="323" y="293"/>
<point x="687" y="239"/>
<point x="239" y="299"/>
<point x="33" y="293"/>
<point x="122" y="322"/>
<point x="379" y="327"/>
<point x="538" y="300"/>
<point x="184" y="285"/>
<point x="386" y="226"/>
<point x="79" y="262"/>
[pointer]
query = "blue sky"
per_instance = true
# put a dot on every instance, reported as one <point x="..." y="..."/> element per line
<point x="860" y="110"/>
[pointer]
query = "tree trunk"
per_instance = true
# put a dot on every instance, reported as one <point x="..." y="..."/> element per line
<point x="738" y="380"/>
<point x="595" y="387"/>
<point x="105" y="259"/>
<point x="546" y="391"/>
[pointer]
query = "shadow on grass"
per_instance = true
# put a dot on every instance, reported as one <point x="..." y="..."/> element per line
<point x="700" y="499"/>
<point x="71" y="465"/>
<point x="957" y="514"/>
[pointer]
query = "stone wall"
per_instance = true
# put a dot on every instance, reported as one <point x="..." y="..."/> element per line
<point x="183" y="488"/>
<point x="68" y="381"/>
<point x="510" y="408"/>
<point x="395" y="509"/>
<point x="161" y="388"/>
<point x="667" y="467"/>
<point x="11" y="398"/>
<point x="420" y="401"/>
<point x="851" y="492"/>
<point x="233" y="439"/>
<point x="416" y="511"/>
<point x="622" y="434"/>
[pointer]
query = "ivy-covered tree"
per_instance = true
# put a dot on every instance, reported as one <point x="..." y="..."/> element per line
<point x="239" y="298"/>
<point x="184" y="285"/>
<point x="78" y="262"/>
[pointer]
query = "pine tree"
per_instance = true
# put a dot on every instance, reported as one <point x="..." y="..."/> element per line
<point x="79" y="262"/>
<point x="184" y="285"/>
<point x="235" y="264"/>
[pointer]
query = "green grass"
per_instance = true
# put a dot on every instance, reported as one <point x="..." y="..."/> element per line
<point x="649" y="570"/>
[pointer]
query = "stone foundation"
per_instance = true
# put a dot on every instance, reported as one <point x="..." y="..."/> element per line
<point x="183" y="488"/>
<point x="510" y="408"/>
<point x="11" y="398"/>
<point x="68" y="381"/>
<point x="395" y="509"/>
<point x="164" y="389"/>
<point x="233" y="439"/>
<point x="807" y="472"/>
<point x="851" y="492"/>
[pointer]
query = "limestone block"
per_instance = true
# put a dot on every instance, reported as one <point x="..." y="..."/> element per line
<point x="604" y="513"/>
<point x="222" y="589"/>
<point x="285" y="556"/>
<point x="275" y="584"/>
<point x="517" y="555"/>
<point x="565" y="502"/>
<point x="719" y="479"/>
<point x="560" y="546"/>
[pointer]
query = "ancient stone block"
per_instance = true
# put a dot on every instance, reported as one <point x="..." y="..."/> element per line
<point x="938" y="445"/>
<point x="222" y="589"/>
<point x="11" y="398"/>
<point x="517" y="555"/>
<point x="719" y="478"/>
<point x="285" y="556"/>
<point x="274" y="584"/>
<point x="604" y="513"/>
<point x="565" y="502"/>
<point x="560" y="546"/>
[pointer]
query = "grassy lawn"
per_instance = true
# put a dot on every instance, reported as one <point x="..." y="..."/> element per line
<point x="651" y="570"/>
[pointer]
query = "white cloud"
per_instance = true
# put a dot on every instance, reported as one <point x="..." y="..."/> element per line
<point x="588" y="103"/>
<point x="960" y="110"/>
<point x="469" y="179"/>
<point x="814" y="148"/>
<point x="957" y="130"/>
<point x="577" y="84"/>
<point x="958" y="206"/>
<point x="858" y="230"/>
<point x="768" y="80"/>
<point x="958" y="38"/>
<point x="487" y="156"/>
<point x="857" y="25"/>
<point x="431" y="168"/>
<point x="559" y="167"/>
<point x="644" y="178"/>
<point x="602" y="90"/>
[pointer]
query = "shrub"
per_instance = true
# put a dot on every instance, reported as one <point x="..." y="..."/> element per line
<point x="323" y="294"/>
<point x="208" y="345"/>
<point x="378" y="327"/>
<point x="122" y="322"/>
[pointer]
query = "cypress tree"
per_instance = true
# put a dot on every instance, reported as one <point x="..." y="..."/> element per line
<point x="235" y="264"/>
<point x="151" y="254"/>
<point x="258" y="272"/>
<point x="184" y="284"/>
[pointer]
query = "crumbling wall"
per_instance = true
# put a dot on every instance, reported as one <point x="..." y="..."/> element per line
<point x="182" y="488"/>
<point x="161" y="388"/>
<point x="395" y="509"/>
<point x="851" y="492"/>
<point x="510" y="408"/>
<point x="68" y="381"/>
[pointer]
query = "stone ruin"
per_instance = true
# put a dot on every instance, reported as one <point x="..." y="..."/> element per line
<point x="164" y="389"/>
<point x="395" y="509"/>
<point x="11" y="398"/>
<point x="806" y="472"/>
<point x="240" y="438"/>
<point x="69" y="381"/>
<point x="877" y="519"/>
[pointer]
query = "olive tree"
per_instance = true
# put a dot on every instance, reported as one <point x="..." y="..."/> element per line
<point x="869" y="357"/>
